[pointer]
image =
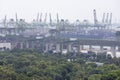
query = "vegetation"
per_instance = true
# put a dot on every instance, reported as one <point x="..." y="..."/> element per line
<point x="33" y="65"/>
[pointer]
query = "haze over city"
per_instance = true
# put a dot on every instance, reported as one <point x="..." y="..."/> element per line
<point x="67" y="9"/>
<point x="59" y="40"/>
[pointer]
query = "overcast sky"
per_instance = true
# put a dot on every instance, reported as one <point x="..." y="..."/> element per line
<point x="67" y="9"/>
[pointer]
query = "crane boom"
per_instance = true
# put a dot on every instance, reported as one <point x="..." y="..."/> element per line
<point x="106" y="21"/>
<point x="41" y="17"/>
<point x="45" y="18"/>
<point x="95" y="17"/>
<point x="16" y="24"/>
<point x="5" y="21"/>
<point x="37" y="17"/>
<point x="57" y="18"/>
<point x="103" y="19"/>
<point x="16" y="17"/>
<point x="110" y="20"/>
<point x="50" y="18"/>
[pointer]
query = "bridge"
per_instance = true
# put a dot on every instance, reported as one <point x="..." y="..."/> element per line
<point x="52" y="43"/>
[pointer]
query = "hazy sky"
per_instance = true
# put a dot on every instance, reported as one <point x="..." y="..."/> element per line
<point x="67" y="9"/>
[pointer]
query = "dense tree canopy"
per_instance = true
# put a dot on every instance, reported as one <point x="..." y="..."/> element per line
<point x="33" y="65"/>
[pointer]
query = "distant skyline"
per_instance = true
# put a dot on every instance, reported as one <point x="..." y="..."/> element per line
<point x="67" y="9"/>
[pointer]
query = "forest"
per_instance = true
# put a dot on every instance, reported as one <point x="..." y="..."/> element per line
<point x="34" y="65"/>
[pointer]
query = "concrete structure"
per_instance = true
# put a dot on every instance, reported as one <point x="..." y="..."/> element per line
<point x="49" y="44"/>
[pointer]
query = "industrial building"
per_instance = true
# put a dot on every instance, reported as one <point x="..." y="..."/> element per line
<point x="39" y="33"/>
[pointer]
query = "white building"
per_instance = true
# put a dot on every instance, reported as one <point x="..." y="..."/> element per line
<point x="5" y="46"/>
